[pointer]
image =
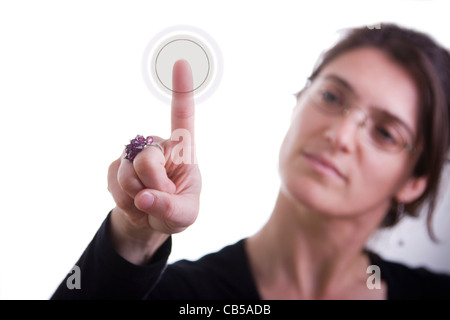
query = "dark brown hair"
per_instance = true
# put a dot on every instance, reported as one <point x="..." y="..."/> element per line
<point x="429" y="65"/>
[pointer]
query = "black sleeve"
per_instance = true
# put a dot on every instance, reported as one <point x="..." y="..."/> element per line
<point x="104" y="274"/>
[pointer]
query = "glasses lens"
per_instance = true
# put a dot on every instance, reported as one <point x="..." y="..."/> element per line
<point x="379" y="128"/>
<point x="329" y="98"/>
<point x="383" y="134"/>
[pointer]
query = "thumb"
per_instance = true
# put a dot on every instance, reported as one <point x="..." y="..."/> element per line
<point x="175" y="209"/>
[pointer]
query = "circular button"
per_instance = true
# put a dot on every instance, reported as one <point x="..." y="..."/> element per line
<point x="187" y="48"/>
<point x="187" y="43"/>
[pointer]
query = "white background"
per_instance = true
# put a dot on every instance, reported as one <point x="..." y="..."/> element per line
<point x="72" y="95"/>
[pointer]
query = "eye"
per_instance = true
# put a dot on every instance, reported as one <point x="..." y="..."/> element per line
<point x="385" y="135"/>
<point x="329" y="97"/>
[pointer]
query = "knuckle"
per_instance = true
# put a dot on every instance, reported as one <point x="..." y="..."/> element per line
<point x="151" y="155"/>
<point x="151" y="172"/>
<point x="140" y="165"/>
<point x="170" y="210"/>
<point x="164" y="208"/>
<point x="181" y="111"/>
<point x="127" y="180"/>
<point x="129" y="185"/>
<point x="114" y="166"/>
<point x="123" y="179"/>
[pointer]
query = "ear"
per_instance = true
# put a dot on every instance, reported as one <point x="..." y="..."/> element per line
<point x="412" y="189"/>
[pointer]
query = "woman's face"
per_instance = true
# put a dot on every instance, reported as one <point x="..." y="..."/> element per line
<point x="354" y="161"/>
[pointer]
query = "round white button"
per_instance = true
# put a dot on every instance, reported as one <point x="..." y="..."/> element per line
<point x="187" y="43"/>
<point x="187" y="48"/>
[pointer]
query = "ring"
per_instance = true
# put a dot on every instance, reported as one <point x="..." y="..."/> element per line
<point x="138" y="144"/>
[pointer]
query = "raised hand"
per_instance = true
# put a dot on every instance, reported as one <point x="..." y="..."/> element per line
<point x="157" y="194"/>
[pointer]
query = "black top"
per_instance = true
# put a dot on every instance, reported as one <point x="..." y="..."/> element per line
<point x="224" y="275"/>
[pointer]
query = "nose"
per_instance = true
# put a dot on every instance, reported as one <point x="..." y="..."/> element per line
<point x="343" y="131"/>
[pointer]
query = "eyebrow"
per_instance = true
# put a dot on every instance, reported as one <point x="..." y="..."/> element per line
<point x="341" y="82"/>
<point x="347" y="85"/>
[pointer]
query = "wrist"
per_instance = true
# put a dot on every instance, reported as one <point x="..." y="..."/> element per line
<point x="135" y="243"/>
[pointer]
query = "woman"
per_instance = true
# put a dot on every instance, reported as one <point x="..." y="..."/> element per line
<point x="367" y="143"/>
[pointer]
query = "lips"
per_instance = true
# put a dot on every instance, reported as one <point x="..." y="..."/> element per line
<point x="324" y="164"/>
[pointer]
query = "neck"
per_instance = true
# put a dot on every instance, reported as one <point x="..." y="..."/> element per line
<point x="308" y="254"/>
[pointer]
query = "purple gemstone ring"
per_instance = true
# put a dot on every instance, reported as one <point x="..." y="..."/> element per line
<point x="138" y="144"/>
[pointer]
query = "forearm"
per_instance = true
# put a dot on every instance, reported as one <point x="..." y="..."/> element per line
<point x="104" y="274"/>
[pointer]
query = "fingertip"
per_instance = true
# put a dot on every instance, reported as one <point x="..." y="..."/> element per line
<point x="182" y="64"/>
<point x="182" y="80"/>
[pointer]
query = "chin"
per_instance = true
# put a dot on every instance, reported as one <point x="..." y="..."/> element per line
<point x="305" y="192"/>
<point x="301" y="191"/>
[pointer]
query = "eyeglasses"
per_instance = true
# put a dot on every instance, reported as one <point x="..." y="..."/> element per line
<point x="382" y="129"/>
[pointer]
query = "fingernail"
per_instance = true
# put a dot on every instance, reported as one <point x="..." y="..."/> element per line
<point x="146" y="200"/>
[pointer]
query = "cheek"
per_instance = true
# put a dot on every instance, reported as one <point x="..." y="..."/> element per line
<point x="297" y="181"/>
<point x="304" y="127"/>
<point x="376" y="180"/>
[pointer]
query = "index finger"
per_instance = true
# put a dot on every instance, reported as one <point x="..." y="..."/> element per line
<point x="183" y="110"/>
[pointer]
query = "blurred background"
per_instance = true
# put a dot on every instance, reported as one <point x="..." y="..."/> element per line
<point x="72" y="94"/>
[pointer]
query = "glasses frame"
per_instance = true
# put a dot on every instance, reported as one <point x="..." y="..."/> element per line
<point x="409" y="147"/>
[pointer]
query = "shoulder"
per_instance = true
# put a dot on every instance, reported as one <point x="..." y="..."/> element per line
<point x="224" y="274"/>
<point x="406" y="282"/>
